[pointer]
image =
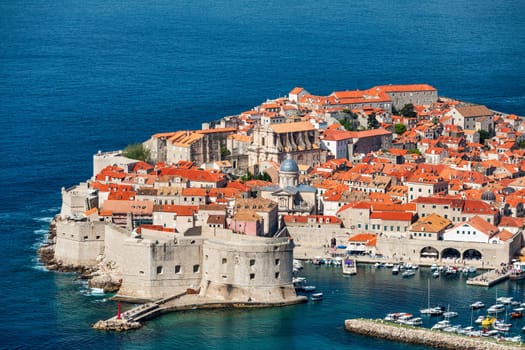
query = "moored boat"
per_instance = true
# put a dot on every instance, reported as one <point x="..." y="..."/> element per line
<point x="408" y="273"/>
<point x="316" y="296"/>
<point x="477" y="305"/>
<point x="518" y="270"/>
<point x="496" y="308"/>
<point x="349" y="266"/>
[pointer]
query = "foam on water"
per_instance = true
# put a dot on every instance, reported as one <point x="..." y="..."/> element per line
<point x="44" y="219"/>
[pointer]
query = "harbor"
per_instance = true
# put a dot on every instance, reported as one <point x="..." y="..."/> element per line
<point x="425" y="337"/>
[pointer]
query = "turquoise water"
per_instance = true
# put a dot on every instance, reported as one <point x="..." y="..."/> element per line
<point x="79" y="76"/>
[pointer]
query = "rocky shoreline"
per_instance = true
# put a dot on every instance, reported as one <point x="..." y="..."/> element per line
<point x="102" y="275"/>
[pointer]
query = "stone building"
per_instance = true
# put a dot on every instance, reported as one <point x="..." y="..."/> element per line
<point x="416" y="94"/>
<point x="200" y="146"/>
<point x="274" y="142"/>
<point x="291" y="196"/>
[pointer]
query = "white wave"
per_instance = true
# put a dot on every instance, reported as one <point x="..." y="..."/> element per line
<point x="103" y="300"/>
<point x="41" y="231"/>
<point x="94" y="292"/>
<point x="37" y="265"/>
<point x="44" y="219"/>
<point x="50" y="210"/>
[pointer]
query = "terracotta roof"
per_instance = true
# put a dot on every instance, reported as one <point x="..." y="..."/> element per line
<point x="391" y="215"/>
<point x="474" y="111"/>
<point x="292" y="127"/>
<point x="407" y="88"/>
<point x="370" y="239"/>
<point x="182" y="210"/>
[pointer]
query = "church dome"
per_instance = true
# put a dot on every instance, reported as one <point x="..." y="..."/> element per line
<point x="488" y="196"/>
<point x="289" y="166"/>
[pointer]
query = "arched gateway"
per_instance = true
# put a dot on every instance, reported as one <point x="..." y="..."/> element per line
<point x="429" y="252"/>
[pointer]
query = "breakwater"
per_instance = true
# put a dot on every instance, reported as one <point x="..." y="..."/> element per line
<point x="425" y="337"/>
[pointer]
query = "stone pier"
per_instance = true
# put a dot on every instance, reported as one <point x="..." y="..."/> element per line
<point x="423" y="336"/>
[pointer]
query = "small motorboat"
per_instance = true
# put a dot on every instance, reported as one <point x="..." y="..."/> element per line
<point x="477" y="305"/>
<point x="395" y="270"/>
<point x="435" y="274"/>
<point x="450" y="314"/>
<point x="516" y="314"/>
<point x="309" y="288"/>
<point x="316" y="296"/>
<point x="479" y="319"/>
<point x="496" y="308"/>
<point x="416" y="321"/>
<point x="441" y="325"/>
<point x="408" y="273"/>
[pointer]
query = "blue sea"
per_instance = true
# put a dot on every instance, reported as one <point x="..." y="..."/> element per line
<point x="81" y="76"/>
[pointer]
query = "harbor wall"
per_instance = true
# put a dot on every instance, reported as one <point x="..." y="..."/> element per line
<point x="154" y="266"/>
<point x="419" y="336"/>
<point x="248" y="269"/>
<point x="79" y="243"/>
<point x="310" y="242"/>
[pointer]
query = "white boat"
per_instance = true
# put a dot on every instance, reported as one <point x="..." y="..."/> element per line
<point x="316" y="296"/>
<point x="451" y="270"/>
<point x="408" y="273"/>
<point x="496" y="308"/>
<point x="309" y="288"/>
<point x="479" y="319"/>
<point x="416" y="321"/>
<point x="349" y="266"/>
<point x="298" y="282"/>
<point x="297" y="264"/>
<point x="389" y="265"/>
<point x="403" y="319"/>
<point x="432" y="311"/>
<point x="338" y="261"/>
<point x="441" y="325"/>
<point x="435" y="274"/>
<point x="449" y="314"/>
<point x="393" y="317"/>
<point x="434" y="267"/>
<point x="395" y="270"/>
<point x="504" y="300"/>
<point x="477" y="305"/>
<point x="501" y="327"/>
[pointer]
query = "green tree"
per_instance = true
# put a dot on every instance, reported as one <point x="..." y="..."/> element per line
<point x="137" y="151"/>
<point x="225" y="152"/>
<point x="400" y="128"/>
<point x="372" y="121"/>
<point x="408" y="111"/>
<point x="414" y="151"/>
<point x="483" y="135"/>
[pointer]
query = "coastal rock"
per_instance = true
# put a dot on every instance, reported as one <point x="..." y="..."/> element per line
<point x="115" y="325"/>
<point x="106" y="281"/>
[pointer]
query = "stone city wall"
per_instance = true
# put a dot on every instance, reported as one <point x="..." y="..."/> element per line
<point x="79" y="242"/>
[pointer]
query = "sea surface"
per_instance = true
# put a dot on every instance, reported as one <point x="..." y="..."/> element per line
<point x="81" y="76"/>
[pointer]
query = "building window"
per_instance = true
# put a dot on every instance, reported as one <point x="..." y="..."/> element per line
<point x="276" y="275"/>
<point x="252" y="276"/>
<point x="224" y="261"/>
<point x="159" y="269"/>
<point x="177" y="269"/>
<point x="252" y="262"/>
<point x="196" y="268"/>
<point x="277" y="261"/>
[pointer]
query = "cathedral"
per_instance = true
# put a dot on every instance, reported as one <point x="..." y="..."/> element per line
<point x="292" y="197"/>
